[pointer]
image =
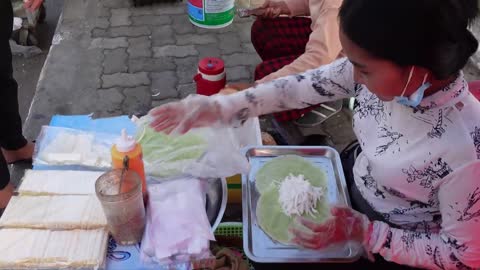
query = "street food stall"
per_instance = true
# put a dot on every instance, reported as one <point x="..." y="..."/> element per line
<point x="112" y="193"/>
<point x="72" y="193"/>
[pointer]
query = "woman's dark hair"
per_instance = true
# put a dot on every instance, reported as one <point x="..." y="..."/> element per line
<point x="429" y="33"/>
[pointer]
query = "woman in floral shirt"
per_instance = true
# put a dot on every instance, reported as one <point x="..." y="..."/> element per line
<point x="418" y="126"/>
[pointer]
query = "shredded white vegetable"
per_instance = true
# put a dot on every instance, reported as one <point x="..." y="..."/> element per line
<point x="298" y="197"/>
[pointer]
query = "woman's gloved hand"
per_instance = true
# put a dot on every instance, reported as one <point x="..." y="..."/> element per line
<point x="273" y="9"/>
<point x="344" y="225"/>
<point x="192" y="112"/>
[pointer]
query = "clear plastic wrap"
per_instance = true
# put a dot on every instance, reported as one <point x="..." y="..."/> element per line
<point x="205" y="153"/>
<point x="58" y="146"/>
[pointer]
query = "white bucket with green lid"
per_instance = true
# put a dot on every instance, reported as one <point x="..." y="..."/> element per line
<point x="211" y="14"/>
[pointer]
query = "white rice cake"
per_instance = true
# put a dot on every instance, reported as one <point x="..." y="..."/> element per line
<point x="40" y="182"/>
<point x="54" y="212"/>
<point x="26" y="248"/>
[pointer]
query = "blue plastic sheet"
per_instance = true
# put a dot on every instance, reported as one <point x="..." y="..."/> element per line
<point x="113" y="125"/>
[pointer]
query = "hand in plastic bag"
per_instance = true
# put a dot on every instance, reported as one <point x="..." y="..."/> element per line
<point x="192" y="112"/>
<point x="345" y="225"/>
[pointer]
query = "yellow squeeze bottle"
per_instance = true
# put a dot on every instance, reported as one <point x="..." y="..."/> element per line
<point x="127" y="146"/>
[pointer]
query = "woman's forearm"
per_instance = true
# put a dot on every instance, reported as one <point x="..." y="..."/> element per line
<point x="327" y="83"/>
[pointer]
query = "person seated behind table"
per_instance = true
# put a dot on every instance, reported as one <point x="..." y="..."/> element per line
<point x="294" y="44"/>
<point x="416" y="122"/>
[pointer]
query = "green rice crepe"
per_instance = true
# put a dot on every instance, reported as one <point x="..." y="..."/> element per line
<point x="270" y="215"/>
<point x="166" y="155"/>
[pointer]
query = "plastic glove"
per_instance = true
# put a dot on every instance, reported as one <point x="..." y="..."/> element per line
<point x="345" y="225"/>
<point x="33" y="5"/>
<point x="273" y="9"/>
<point x="179" y="117"/>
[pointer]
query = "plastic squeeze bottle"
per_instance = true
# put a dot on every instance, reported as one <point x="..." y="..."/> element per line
<point x="127" y="146"/>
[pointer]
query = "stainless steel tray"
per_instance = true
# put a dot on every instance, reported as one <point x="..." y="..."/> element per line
<point x="261" y="248"/>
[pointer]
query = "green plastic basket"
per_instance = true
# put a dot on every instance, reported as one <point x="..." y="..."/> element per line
<point x="233" y="230"/>
<point x="230" y="229"/>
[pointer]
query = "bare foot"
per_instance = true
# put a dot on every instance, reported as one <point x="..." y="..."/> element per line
<point x="5" y="195"/>
<point x="25" y="152"/>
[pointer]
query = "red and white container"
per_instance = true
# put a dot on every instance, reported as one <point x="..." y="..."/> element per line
<point x="211" y="77"/>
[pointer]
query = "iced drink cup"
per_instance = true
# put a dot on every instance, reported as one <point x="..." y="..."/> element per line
<point x="123" y="205"/>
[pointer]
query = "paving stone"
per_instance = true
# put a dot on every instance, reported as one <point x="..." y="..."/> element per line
<point x="244" y="31"/>
<point x="182" y="25"/>
<point x="120" y="17"/>
<point x="144" y="10"/>
<point x="176" y="51"/>
<point x="116" y="3"/>
<point x="138" y="100"/>
<point x="98" y="32"/>
<point x="238" y="73"/>
<point x="163" y="35"/>
<point x="115" y="61"/>
<point x="252" y="71"/>
<point x="195" y="39"/>
<point x="241" y="59"/>
<point x="226" y="29"/>
<point x="109" y="43"/>
<point x="150" y="64"/>
<point x="151" y="20"/>
<point x="186" y="69"/>
<point x="208" y="50"/>
<point x="230" y="43"/>
<point x="248" y="47"/>
<point x="108" y="101"/>
<point x="164" y="85"/>
<point x="129" y="31"/>
<point x="139" y="47"/>
<point x="102" y="22"/>
<point x="103" y="11"/>
<point x="185" y="90"/>
<point x="169" y="9"/>
<point x="156" y="103"/>
<point x="125" y="80"/>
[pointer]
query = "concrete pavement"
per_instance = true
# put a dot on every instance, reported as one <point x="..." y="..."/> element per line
<point x="109" y="58"/>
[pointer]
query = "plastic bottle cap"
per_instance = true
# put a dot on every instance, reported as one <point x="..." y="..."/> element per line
<point x="125" y="143"/>
<point x="211" y="66"/>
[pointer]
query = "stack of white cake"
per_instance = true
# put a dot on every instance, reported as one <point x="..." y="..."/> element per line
<point x="55" y="222"/>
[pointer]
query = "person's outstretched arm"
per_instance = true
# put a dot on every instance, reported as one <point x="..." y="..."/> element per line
<point x="327" y="83"/>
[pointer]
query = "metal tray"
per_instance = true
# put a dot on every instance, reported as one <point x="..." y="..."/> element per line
<point x="257" y="245"/>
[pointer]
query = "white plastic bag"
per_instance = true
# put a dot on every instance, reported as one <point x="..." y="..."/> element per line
<point x="177" y="229"/>
<point x="222" y="158"/>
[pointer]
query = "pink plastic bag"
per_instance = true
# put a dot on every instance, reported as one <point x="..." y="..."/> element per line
<point x="177" y="228"/>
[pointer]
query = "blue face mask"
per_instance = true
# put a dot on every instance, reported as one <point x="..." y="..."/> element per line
<point x="416" y="98"/>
